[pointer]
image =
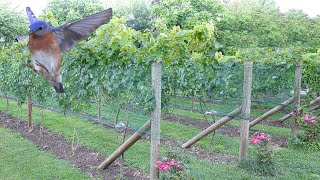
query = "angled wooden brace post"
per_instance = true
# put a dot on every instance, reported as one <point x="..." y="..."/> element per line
<point x="134" y="138"/>
<point x="212" y="128"/>
<point x="270" y="112"/>
<point x="312" y="105"/>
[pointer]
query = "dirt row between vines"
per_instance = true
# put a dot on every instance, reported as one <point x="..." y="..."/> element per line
<point x="82" y="158"/>
<point x="224" y="130"/>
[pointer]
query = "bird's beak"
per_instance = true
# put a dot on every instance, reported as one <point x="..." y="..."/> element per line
<point x="31" y="32"/>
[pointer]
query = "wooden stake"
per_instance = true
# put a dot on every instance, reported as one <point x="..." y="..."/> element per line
<point x="30" y="123"/>
<point x="285" y="117"/>
<point x="7" y="104"/>
<point x="134" y="138"/>
<point x="155" y="121"/>
<point x="246" y="110"/>
<point x="212" y="128"/>
<point x="316" y="100"/>
<point x="315" y="107"/>
<point x="297" y="89"/>
<point x="270" y="112"/>
<point x="99" y="111"/>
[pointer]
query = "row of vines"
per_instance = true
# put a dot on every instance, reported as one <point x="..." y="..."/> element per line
<point x="115" y="64"/>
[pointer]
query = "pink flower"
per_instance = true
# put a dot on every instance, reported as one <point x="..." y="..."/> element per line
<point x="313" y="122"/>
<point x="306" y="117"/>
<point x="257" y="138"/>
<point x="255" y="141"/>
<point x="158" y="163"/>
<point x="166" y="165"/>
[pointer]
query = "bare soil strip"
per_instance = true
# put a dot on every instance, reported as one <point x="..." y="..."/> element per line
<point x="225" y="130"/>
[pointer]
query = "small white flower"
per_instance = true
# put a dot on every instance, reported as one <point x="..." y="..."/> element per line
<point x="120" y="125"/>
<point x="212" y="112"/>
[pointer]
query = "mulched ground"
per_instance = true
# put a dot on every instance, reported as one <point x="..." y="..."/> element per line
<point x="82" y="158"/>
<point x="225" y="130"/>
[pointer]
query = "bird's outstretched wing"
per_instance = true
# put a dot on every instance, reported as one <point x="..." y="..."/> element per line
<point x="69" y="34"/>
<point x="31" y="16"/>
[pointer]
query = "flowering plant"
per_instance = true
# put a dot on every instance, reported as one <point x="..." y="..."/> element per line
<point x="309" y="119"/>
<point x="310" y="136"/>
<point x="170" y="169"/>
<point x="264" y="155"/>
<point x="257" y="138"/>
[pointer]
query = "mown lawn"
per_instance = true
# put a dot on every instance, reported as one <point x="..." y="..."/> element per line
<point x="292" y="164"/>
<point x="21" y="159"/>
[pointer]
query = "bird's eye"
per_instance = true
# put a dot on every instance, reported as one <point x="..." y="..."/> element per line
<point x="40" y="28"/>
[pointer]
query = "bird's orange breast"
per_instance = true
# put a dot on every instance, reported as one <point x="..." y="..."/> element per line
<point x="46" y="42"/>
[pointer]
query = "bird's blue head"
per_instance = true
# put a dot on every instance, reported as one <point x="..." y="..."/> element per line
<point x="39" y="28"/>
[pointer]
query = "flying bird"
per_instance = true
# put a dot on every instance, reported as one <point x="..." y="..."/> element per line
<point x="46" y="43"/>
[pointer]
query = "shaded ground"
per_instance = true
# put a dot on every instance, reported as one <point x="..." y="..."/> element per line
<point x="82" y="158"/>
<point x="225" y="130"/>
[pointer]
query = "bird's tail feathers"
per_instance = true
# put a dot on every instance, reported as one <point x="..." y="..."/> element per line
<point x="59" y="88"/>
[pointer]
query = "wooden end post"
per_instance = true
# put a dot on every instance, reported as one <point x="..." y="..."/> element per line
<point x="246" y="108"/>
<point x="297" y="96"/>
<point x="155" y="121"/>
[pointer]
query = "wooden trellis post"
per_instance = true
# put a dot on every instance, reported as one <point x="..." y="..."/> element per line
<point x="297" y="88"/>
<point x="155" y="121"/>
<point x="30" y="123"/>
<point x="246" y="108"/>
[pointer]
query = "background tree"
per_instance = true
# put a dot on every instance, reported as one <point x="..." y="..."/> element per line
<point x="65" y="11"/>
<point x="138" y="13"/>
<point x="251" y="23"/>
<point x="301" y="30"/>
<point x="12" y="24"/>
<point x="187" y="13"/>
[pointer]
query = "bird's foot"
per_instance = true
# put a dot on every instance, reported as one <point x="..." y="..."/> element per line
<point x="29" y="65"/>
<point x="41" y="65"/>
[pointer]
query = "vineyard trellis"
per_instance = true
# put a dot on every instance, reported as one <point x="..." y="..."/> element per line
<point x="116" y="64"/>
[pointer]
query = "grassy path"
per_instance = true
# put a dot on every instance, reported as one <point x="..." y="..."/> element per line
<point x="21" y="159"/>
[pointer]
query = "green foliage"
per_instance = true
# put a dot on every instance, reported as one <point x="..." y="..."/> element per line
<point x="138" y="14"/>
<point x="12" y="24"/>
<point x="187" y="13"/>
<point x="311" y="71"/>
<point x="256" y="23"/>
<point x="69" y="10"/>
<point x="301" y="30"/>
<point x="250" y="23"/>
